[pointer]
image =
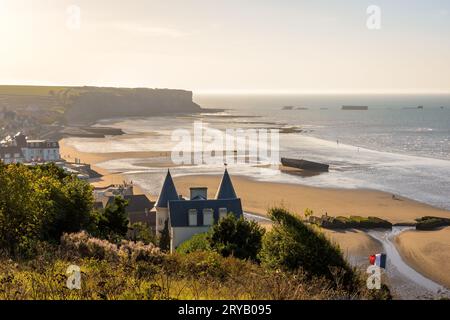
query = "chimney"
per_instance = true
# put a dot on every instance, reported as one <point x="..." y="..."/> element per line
<point x="199" y="192"/>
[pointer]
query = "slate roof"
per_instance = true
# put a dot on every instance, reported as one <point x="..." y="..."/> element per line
<point x="149" y="218"/>
<point x="179" y="210"/>
<point x="226" y="189"/>
<point x="168" y="192"/>
<point x="136" y="203"/>
<point x="11" y="150"/>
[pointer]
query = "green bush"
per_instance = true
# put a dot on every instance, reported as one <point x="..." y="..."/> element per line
<point x="198" y="242"/>
<point x="431" y="223"/>
<point x="352" y="222"/>
<point x="40" y="203"/>
<point x="236" y="237"/>
<point x="292" y="245"/>
<point x="112" y="223"/>
<point x="140" y="231"/>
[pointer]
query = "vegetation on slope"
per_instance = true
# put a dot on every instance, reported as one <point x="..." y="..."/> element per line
<point x="41" y="203"/>
<point x="47" y="224"/>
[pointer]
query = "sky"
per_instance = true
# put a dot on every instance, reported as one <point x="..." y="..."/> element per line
<point x="209" y="46"/>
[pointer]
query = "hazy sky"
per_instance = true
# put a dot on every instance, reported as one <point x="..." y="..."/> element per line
<point x="212" y="45"/>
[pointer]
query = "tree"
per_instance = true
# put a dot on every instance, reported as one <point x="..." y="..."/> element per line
<point x="140" y="231"/>
<point x="40" y="203"/>
<point x="113" y="222"/>
<point x="164" y="238"/>
<point x="71" y="211"/>
<point x="236" y="237"/>
<point x="291" y="244"/>
<point x="21" y="208"/>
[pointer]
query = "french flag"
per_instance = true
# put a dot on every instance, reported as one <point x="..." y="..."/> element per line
<point x="378" y="260"/>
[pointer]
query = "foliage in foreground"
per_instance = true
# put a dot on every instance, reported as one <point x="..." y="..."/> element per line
<point x="292" y="244"/>
<point x="198" y="242"/>
<point x="125" y="272"/>
<point x="41" y="203"/>
<point x="236" y="237"/>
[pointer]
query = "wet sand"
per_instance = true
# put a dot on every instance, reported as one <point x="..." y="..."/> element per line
<point x="428" y="252"/>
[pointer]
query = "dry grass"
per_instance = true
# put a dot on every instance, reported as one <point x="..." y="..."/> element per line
<point x="199" y="275"/>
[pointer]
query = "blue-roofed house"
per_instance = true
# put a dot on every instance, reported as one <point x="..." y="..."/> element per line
<point x="187" y="218"/>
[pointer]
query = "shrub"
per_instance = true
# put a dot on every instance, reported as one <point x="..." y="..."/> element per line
<point x="352" y="222"/>
<point x="431" y="223"/>
<point x="40" y="203"/>
<point x="164" y="237"/>
<point x="198" y="242"/>
<point x="237" y="237"/>
<point x="82" y="245"/>
<point x="292" y="245"/>
<point x="140" y="231"/>
<point x="138" y="251"/>
<point x="112" y="223"/>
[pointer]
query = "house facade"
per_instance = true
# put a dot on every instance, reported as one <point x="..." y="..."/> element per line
<point x="18" y="149"/>
<point x="11" y="154"/>
<point x="41" y="151"/>
<point x="188" y="217"/>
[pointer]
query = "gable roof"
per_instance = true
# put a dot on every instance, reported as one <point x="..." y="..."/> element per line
<point x="168" y="192"/>
<point x="226" y="189"/>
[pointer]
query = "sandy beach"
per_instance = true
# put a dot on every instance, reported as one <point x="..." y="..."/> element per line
<point x="425" y="251"/>
<point x="69" y="153"/>
<point x="428" y="252"/>
<point x="257" y="197"/>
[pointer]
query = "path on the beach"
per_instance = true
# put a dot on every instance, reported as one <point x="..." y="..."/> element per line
<point x="406" y="281"/>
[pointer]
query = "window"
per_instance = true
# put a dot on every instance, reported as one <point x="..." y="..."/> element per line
<point x="208" y="217"/>
<point x="192" y="217"/>
<point x="222" y="213"/>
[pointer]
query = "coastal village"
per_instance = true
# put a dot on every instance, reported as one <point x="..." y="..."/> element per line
<point x="184" y="216"/>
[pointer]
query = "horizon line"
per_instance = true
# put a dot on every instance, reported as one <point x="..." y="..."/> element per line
<point x="248" y="92"/>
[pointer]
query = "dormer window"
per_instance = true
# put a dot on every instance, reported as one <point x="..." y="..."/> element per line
<point x="192" y="217"/>
<point x="208" y="217"/>
<point x="222" y="213"/>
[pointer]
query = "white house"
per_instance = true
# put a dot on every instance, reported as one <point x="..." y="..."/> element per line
<point x="187" y="218"/>
<point x="41" y="151"/>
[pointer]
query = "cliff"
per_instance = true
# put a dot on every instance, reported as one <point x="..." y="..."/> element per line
<point x="50" y="112"/>
<point x="92" y="105"/>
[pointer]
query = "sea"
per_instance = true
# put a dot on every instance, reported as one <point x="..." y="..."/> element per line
<point x="400" y="145"/>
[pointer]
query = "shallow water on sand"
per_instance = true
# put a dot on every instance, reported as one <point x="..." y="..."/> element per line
<point x="407" y="282"/>
<point x="424" y="179"/>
